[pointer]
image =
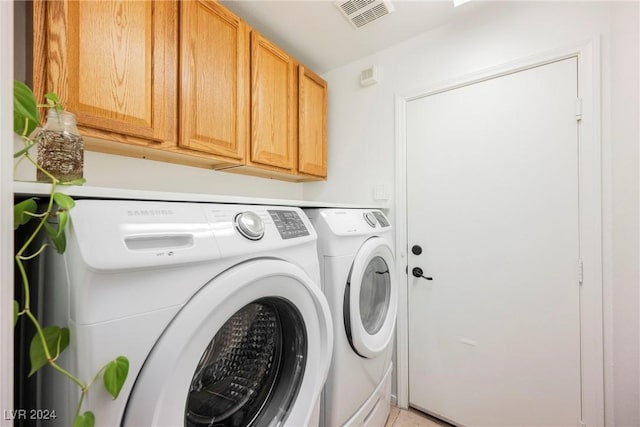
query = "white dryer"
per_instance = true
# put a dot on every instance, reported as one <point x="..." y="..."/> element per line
<point x="217" y="307"/>
<point x="358" y="278"/>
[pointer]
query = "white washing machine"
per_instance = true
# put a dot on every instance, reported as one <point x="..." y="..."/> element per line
<point x="358" y="278"/>
<point x="217" y="307"/>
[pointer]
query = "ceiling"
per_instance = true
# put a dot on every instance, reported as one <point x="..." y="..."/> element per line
<point x="318" y="35"/>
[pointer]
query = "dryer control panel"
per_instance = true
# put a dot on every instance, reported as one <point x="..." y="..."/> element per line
<point x="353" y="222"/>
<point x="382" y="220"/>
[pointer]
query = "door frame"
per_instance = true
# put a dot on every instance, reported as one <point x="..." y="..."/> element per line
<point x="590" y="220"/>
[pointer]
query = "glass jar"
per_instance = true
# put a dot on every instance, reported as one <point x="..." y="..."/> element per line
<point x="60" y="148"/>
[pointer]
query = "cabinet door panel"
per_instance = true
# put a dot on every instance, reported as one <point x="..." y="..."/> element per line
<point x="112" y="63"/>
<point x="273" y="106"/>
<point x="215" y="74"/>
<point x="312" y="123"/>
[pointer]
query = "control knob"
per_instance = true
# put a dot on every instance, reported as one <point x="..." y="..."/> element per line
<point x="370" y="218"/>
<point x="250" y="225"/>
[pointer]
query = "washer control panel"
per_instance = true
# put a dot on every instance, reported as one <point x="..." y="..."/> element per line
<point x="288" y="223"/>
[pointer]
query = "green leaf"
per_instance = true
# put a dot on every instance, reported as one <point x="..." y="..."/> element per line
<point x="16" y="310"/>
<point x="115" y="375"/>
<point x="57" y="236"/>
<point x="64" y="201"/>
<point x="85" y="420"/>
<point x="57" y="340"/>
<point x="78" y="181"/>
<point x="22" y="210"/>
<point x="53" y="100"/>
<point x="25" y="110"/>
<point x="63" y="217"/>
<point x="51" y="230"/>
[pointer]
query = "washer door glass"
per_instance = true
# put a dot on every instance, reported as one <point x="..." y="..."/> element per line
<point x="375" y="293"/>
<point x="251" y="371"/>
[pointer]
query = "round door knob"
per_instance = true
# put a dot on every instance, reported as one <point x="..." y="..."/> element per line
<point x="370" y="218"/>
<point x="250" y="225"/>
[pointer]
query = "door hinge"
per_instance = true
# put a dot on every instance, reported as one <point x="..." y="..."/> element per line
<point x="579" y="109"/>
<point x="580" y="272"/>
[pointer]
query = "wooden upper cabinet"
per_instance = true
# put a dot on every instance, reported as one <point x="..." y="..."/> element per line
<point x="273" y="107"/>
<point x="214" y="69"/>
<point x="312" y="123"/>
<point x="113" y="64"/>
<point x="185" y="82"/>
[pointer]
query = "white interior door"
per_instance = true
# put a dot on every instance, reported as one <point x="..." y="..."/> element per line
<point x="492" y="199"/>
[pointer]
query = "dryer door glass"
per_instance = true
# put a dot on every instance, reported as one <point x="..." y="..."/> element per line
<point x="371" y="299"/>
<point x="375" y="292"/>
<point x="251" y="371"/>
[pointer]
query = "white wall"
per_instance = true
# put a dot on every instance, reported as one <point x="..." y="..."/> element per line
<point x="6" y="215"/>
<point x="361" y="136"/>
<point x="105" y="170"/>
<point x="622" y="134"/>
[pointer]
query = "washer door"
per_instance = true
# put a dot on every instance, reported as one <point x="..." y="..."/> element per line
<point x="252" y="347"/>
<point x="371" y="299"/>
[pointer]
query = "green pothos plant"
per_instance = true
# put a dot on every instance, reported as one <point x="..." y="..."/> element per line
<point x="49" y="341"/>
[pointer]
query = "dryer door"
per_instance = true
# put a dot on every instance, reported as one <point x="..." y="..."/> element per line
<point x="252" y="347"/>
<point x="371" y="299"/>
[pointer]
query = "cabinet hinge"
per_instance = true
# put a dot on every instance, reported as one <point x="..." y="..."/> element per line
<point x="580" y="272"/>
<point x="579" y="109"/>
<point x="582" y="423"/>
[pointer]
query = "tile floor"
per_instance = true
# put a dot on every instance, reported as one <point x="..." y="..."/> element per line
<point x="412" y="418"/>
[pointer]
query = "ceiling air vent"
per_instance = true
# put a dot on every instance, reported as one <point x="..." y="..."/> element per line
<point x="362" y="12"/>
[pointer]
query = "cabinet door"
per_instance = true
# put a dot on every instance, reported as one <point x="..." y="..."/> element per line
<point x="312" y="123"/>
<point x="112" y="63"/>
<point x="273" y="106"/>
<point x="214" y="65"/>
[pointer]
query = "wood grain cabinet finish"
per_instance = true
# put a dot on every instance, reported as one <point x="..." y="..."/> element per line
<point x="112" y="63"/>
<point x="312" y="123"/>
<point x="214" y="69"/>
<point x="273" y="107"/>
<point x="181" y="81"/>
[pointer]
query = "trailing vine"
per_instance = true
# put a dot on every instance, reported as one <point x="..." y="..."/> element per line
<point x="49" y="342"/>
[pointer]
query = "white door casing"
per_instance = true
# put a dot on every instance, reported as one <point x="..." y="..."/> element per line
<point x="590" y="303"/>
